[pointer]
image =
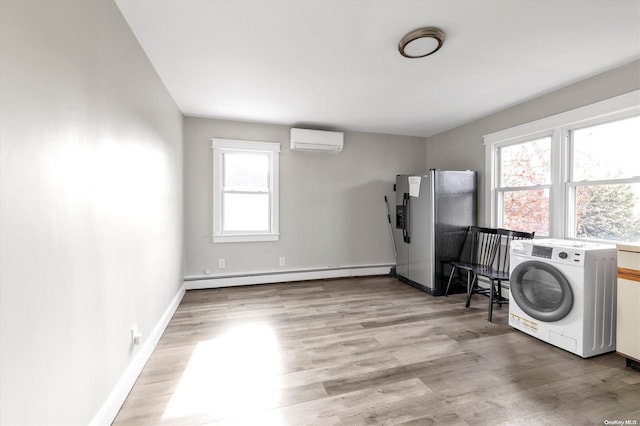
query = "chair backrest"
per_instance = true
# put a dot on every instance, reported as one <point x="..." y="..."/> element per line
<point x="480" y="246"/>
<point x="506" y="236"/>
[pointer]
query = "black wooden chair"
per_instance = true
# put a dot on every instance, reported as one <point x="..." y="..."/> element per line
<point x="477" y="253"/>
<point x="497" y="271"/>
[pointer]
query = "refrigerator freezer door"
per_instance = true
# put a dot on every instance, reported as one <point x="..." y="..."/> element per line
<point x="455" y="209"/>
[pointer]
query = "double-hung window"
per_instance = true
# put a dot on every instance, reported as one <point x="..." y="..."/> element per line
<point x="245" y="191"/>
<point x="604" y="182"/>
<point x="524" y="185"/>
<point x="572" y="175"/>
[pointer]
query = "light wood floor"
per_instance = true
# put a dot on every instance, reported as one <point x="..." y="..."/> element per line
<point x="365" y="351"/>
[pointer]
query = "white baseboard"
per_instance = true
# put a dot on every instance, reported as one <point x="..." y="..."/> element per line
<point x="195" y="282"/>
<point x="116" y="398"/>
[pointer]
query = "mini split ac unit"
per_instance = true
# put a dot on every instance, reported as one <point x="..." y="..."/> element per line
<point x="316" y="140"/>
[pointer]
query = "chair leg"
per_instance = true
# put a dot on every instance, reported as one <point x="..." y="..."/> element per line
<point x="466" y="304"/>
<point x="446" y="292"/>
<point x="471" y="284"/>
<point x="491" y="296"/>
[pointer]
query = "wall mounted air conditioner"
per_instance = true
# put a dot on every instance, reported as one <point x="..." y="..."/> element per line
<point x="316" y="140"/>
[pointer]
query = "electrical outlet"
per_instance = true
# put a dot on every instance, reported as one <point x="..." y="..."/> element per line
<point x="135" y="335"/>
<point x="206" y="271"/>
<point x="283" y="261"/>
<point x="221" y="264"/>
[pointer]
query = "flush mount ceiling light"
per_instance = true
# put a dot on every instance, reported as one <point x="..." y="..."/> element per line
<point x="421" y="42"/>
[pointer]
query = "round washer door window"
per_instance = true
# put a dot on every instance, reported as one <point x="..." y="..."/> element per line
<point x="541" y="291"/>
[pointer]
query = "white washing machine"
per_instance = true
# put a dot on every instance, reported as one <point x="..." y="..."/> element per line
<point x="564" y="293"/>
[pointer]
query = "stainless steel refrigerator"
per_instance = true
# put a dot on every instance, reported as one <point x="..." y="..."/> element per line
<point x="433" y="211"/>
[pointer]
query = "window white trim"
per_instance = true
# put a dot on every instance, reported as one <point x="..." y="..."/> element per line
<point x="220" y="146"/>
<point x="557" y="126"/>
<point x="629" y="102"/>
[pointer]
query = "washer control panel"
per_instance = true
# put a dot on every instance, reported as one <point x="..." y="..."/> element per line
<point x="559" y="254"/>
<point x="542" y="251"/>
<point x="566" y="252"/>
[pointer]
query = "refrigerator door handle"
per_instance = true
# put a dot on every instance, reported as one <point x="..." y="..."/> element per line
<point x="405" y="229"/>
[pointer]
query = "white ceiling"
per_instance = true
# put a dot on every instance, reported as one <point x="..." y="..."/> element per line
<point x="334" y="64"/>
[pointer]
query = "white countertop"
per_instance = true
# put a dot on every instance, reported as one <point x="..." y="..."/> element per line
<point x="632" y="247"/>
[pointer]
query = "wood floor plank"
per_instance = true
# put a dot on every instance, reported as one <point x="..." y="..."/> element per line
<point x="405" y="412"/>
<point x="324" y="411"/>
<point x="392" y="374"/>
<point x="367" y="350"/>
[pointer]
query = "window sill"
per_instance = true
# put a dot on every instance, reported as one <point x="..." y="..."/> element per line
<point x="245" y="238"/>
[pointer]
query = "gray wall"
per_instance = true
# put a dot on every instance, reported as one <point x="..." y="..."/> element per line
<point x="462" y="147"/>
<point x="331" y="205"/>
<point x="91" y="206"/>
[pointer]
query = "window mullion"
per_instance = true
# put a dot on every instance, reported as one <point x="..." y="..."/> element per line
<point x="557" y="192"/>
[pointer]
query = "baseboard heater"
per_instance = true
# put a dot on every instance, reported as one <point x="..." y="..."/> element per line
<point x="266" y="277"/>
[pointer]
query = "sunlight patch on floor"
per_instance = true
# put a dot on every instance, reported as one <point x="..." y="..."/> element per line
<point x="235" y="374"/>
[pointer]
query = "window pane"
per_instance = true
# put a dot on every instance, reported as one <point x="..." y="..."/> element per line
<point x="607" y="151"/>
<point x="526" y="211"/>
<point x="526" y="164"/>
<point x="608" y="212"/>
<point x="246" y="212"/>
<point x="246" y="171"/>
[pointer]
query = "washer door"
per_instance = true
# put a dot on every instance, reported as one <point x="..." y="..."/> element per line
<point x="541" y="291"/>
